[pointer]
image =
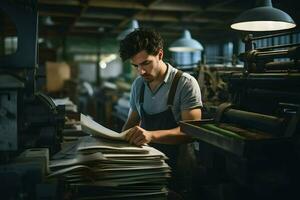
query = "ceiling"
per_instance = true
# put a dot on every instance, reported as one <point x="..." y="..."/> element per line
<point x="206" y="19"/>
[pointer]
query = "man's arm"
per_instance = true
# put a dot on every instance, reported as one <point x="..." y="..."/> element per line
<point x="133" y="119"/>
<point x="140" y="136"/>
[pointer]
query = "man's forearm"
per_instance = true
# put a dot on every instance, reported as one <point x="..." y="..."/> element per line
<point x="170" y="136"/>
<point x="132" y="120"/>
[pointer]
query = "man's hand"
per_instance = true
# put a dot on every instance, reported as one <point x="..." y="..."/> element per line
<point x="138" y="136"/>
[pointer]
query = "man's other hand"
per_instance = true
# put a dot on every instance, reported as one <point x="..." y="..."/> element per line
<point x="138" y="136"/>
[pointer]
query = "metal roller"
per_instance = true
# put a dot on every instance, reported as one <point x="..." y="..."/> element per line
<point x="265" y="123"/>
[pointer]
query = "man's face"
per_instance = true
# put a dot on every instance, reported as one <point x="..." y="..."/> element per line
<point x="148" y="66"/>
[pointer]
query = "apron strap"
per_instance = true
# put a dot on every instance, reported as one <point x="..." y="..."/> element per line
<point x="142" y="93"/>
<point x="174" y="88"/>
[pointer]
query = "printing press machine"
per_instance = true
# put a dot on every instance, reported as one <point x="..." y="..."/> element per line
<point x="250" y="148"/>
<point x="30" y="122"/>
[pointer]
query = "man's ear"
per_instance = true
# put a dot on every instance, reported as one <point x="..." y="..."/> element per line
<point x="160" y="54"/>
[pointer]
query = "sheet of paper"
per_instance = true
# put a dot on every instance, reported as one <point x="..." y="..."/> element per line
<point x="152" y="154"/>
<point x="91" y="127"/>
<point x="92" y="144"/>
<point x="74" y="168"/>
<point x="79" y="159"/>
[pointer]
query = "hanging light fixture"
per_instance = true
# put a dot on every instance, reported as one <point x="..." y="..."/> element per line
<point x="48" y="21"/>
<point x="132" y="26"/>
<point x="186" y="44"/>
<point x="263" y="18"/>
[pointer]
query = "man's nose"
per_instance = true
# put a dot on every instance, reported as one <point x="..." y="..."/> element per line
<point x="141" y="70"/>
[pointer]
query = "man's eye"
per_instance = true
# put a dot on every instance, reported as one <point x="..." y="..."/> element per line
<point x="146" y="63"/>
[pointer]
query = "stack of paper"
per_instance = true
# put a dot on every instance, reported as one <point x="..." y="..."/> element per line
<point x="107" y="167"/>
<point x="69" y="105"/>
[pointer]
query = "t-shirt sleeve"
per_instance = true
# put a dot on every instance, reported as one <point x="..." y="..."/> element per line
<point x="190" y="96"/>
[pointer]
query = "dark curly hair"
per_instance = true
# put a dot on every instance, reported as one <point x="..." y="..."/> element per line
<point x="139" y="40"/>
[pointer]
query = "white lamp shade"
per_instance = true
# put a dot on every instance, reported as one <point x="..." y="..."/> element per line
<point x="133" y="25"/>
<point x="264" y="18"/>
<point x="186" y="44"/>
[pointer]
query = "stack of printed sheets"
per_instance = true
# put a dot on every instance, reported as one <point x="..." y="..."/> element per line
<point x="110" y="168"/>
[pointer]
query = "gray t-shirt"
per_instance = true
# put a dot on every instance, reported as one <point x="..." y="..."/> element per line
<point x="188" y="95"/>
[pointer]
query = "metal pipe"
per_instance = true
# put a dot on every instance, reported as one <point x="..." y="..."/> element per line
<point x="256" y="55"/>
<point x="292" y="65"/>
<point x="278" y="46"/>
<point x="273" y="35"/>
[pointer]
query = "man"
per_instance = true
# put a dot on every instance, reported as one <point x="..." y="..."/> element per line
<point x="160" y="97"/>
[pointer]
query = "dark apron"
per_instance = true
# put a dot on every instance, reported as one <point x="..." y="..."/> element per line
<point x="163" y="121"/>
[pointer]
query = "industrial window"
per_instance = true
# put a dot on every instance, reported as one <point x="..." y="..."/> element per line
<point x="227" y="52"/>
<point x="10" y="45"/>
<point x="186" y="59"/>
<point x="280" y="40"/>
<point x="212" y="52"/>
<point x="110" y="66"/>
<point x="219" y="53"/>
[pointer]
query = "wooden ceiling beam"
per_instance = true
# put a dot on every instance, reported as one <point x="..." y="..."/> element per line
<point x="93" y="24"/>
<point x="58" y="2"/>
<point x="201" y="20"/>
<point x="213" y="7"/>
<point x="175" y="6"/>
<point x="156" y="18"/>
<point x="225" y="9"/>
<point x="171" y="18"/>
<point x="117" y="4"/>
<point x="84" y="4"/>
<point x="57" y="14"/>
<point x="103" y="16"/>
<point x="126" y="21"/>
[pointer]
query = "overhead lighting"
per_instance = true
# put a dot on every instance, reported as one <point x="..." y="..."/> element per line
<point x="48" y="21"/>
<point x="41" y="40"/>
<point x="106" y="59"/>
<point x="132" y="26"/>
<point x="263" y="18"/>
<point x="101" y="29"/>
<point x="186" y="44"/>
<point x="102" y="64"/>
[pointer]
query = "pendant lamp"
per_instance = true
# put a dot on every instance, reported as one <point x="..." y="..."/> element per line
<point x="132" y="26"/>
<point x="263" y="18"/>
<point x="186" y="44"/>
